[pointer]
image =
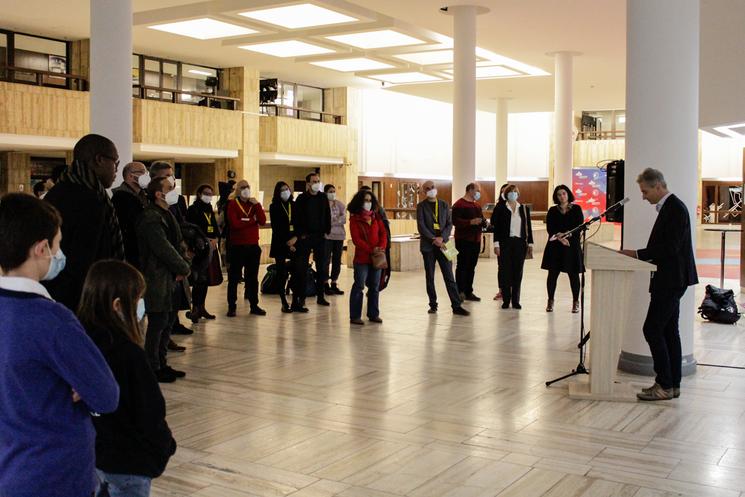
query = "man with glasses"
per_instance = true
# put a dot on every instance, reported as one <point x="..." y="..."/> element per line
<point x="90" y="226"/>
<point x="129" y="200"/>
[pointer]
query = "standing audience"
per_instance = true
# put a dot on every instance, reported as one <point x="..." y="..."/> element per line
<point x="129" y="200"/>
<point x="245" y="215"/>
<point x="334" y="240"/>
<point x="284" y="245"/>
<point x="312" y="224"/>
<point x="562" y="254"/>
<point x="134" y="443"/>
<point x="369" y="237"/>
<point x="435" y="224"/>
<point x="90" y="227"/>
<point x="164" y="265"/>
<point x="500" y="271"/>
<point x="202" y="215"/>
<point x="52" y="376"/>
<point x="468" y="220"/>
<point x="513" y="242"/>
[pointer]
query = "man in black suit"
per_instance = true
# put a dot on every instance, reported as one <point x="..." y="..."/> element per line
<point x="670" y="249"/>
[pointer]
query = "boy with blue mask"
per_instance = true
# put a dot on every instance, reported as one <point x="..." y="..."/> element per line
<point x="52" y="376"/>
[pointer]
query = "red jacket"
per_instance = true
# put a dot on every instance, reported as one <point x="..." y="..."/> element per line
<point x="366" y="237"/>
<point x="244" y="220"/>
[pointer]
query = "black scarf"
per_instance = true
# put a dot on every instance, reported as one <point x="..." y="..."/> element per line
<point x="80" y="174"/>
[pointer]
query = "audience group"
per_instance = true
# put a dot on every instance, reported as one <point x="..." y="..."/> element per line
<point x="81" y="411"/>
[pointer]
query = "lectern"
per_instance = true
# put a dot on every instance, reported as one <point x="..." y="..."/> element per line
<point x="611" y="287"/>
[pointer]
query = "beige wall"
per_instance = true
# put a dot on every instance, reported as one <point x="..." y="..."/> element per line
<point x="15" y="172"/>
<point x="40" y="111"/>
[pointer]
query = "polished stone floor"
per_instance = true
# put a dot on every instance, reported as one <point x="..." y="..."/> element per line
<point x="438" y="405"/>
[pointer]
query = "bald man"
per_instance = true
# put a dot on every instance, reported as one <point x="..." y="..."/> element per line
<point x="129" y="200"/>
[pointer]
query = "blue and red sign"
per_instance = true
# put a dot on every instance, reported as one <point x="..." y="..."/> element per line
<point x="589" y="185"/>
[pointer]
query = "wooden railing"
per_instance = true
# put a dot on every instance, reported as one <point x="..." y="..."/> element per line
<point x="297" y="113"/>
<point x="601" y="135"/>
<point x="69" y="81"/>
<point x="206" y="99"/>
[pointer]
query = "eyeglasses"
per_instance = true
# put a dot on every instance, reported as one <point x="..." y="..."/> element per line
<point x="112" y="159"/>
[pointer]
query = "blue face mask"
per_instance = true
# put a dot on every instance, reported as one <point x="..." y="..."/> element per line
<point x="56" y="265"/>
<point x="512" y="196"/>
<point x="140" y="309"/>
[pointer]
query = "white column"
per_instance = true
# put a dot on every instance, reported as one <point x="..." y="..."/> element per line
<point x="111" y="75"/>
<point x="563" y="117"/>
<point x="662" y="72"/>
<point x="501" y="163"/>
<point x="464" y="96"/>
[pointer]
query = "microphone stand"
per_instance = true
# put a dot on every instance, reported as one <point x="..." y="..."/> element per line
<point x="583" y="337"/>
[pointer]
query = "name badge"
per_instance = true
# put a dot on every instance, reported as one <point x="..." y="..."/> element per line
<point x="210" y="229"/>
<point x="437" y="226"/>
<point x="292" y="228"/>
<point x="245" y="219"/>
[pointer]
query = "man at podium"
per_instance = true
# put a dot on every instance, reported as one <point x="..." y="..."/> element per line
<point x="670" y="249"/>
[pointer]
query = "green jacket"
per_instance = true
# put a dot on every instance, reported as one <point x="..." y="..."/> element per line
<point x="161" y="260"/>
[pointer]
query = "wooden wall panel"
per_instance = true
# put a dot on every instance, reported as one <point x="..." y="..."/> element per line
<point x="15" y="172"/>
<point x="285" y="135"/>
<point x="40" y="111"/>
<point x="186" y="125"/>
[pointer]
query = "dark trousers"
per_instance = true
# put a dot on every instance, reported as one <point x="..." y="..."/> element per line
<point x="334" y="249"/>
<point x="446" y="268"/>
<point x="199" y="295"/>
<point x="513" y="260"/>
<point x="365" y="275"/>
<point x="500" y="272"/>
<point x="663" y="336"/>
<point x="283" y="271"/>
<point x="468" y="257"/>
<point x="158" y="334"/>
<point x="244" y="257"/>
<point x="316" y="245"/>
<point x="553" y="277"/>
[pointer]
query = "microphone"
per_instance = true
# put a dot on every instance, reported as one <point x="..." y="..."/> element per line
<point x="613" y="207"/>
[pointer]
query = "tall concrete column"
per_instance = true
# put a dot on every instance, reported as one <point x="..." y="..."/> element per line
<point x="464" y="95"/>
<point x="662" y="74"/>
<point x="563" y="117"/>
<point x="500" y="176"/>
<point x="111" y="75"/>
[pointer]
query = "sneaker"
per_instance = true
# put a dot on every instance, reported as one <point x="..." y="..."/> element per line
<point x="335" y="289"/>
<point x="164" y="376"/>
<point x="357" y="321"/>
<point x="473" y="298"/>
<point x="180" y="329"/>
<point x="231" y="312"/>
<point x="258" y="311"/>
<point x="656" y="392"/>
<point x="459" y="311"/>
<point x="432" y="309"/>
<point x="174" y="372"/>
<point x="676" y="390"/>
<point x="322" y="301"/>
<point x="376" y="319"/>
<point x="174" y="347"/>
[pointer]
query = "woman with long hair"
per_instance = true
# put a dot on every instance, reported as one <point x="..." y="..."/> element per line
<point x="334" y="240"/>
<point x="281" y="212"/>
<point x="562" y="254"/>
<point x="134" y="443"/>
<point x="369" y="236"/>
<point x="201" y="214"/>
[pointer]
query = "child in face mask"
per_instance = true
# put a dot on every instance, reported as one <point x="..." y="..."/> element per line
<point x="134" y="443"/>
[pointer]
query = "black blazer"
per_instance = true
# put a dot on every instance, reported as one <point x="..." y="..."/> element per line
<point x="197" y="214"/>
<point x="670" y="248"/>
<point x="500" y="221"/>
<point x="281" y="228"/>
<point x="128" y="206"/>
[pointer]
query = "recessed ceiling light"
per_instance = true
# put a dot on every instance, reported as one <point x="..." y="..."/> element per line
<point x="491" y="72"/>
<point x="297" y="16"/>
<point x="377" y="39"/>
<point x="405" y="77"/>
<point x="428" y="58"/>
<point x="201" y="73"/>
<point x="351" y="65"/>
<point x="289" y="48"/>
<point x="204" y="29"/>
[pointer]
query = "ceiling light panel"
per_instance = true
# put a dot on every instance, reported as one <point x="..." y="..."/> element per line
<point x="289" y="48"/>
<point x="352" y="65"/>
<point x="428" y="58"/>
<point x="204" y="29"/>
<point x="376" y="39"/>
<point x="297" y="16"/>
<point x="405" y="77"/>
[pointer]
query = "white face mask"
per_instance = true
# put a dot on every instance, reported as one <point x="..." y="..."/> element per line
<point x="143" y="180"/>
<point x="477" y="196"/>
<point x="331" y="196"/>
<point x="432" y="193"/>
<point x="315" y="187"/>
<point x="285" y="195"/>
<point x="246" y="193"/>
<point x="140" y="309"/>
<point x="367" y="206"/>
<point x="172" y="180"/>
<point x="207" y="199"/>
<point x="172" y="197"/>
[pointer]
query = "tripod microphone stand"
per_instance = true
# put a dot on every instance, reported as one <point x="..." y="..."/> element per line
<point x="584" y="337"/>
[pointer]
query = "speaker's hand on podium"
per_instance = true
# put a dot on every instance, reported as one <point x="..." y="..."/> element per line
<point x="628" y="252"/>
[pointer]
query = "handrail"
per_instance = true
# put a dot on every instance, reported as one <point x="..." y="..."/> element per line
<point x="210" y="100"/>
<point x="82" y="82"/>
<point x="595" y="135"/>
<point x="337" y="118"/>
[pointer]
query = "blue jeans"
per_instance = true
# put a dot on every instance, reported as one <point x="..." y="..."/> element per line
<point x="364" y="274"/>
<point x="115" y="485"/>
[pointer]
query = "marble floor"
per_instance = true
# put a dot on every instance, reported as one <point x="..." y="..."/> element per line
<point x="438" y="405"/>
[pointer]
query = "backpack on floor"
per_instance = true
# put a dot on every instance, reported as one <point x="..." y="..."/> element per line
<point x="270" y="281"/>
<point x="719" y="306"/>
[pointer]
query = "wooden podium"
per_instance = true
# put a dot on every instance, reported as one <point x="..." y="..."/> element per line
<point x="611" y="287"/>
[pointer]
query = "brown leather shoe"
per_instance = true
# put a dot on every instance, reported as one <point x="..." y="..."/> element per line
<point x="656" y="392"/>
<point x="550" y="305"/>
<point x="676" y="390"/>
